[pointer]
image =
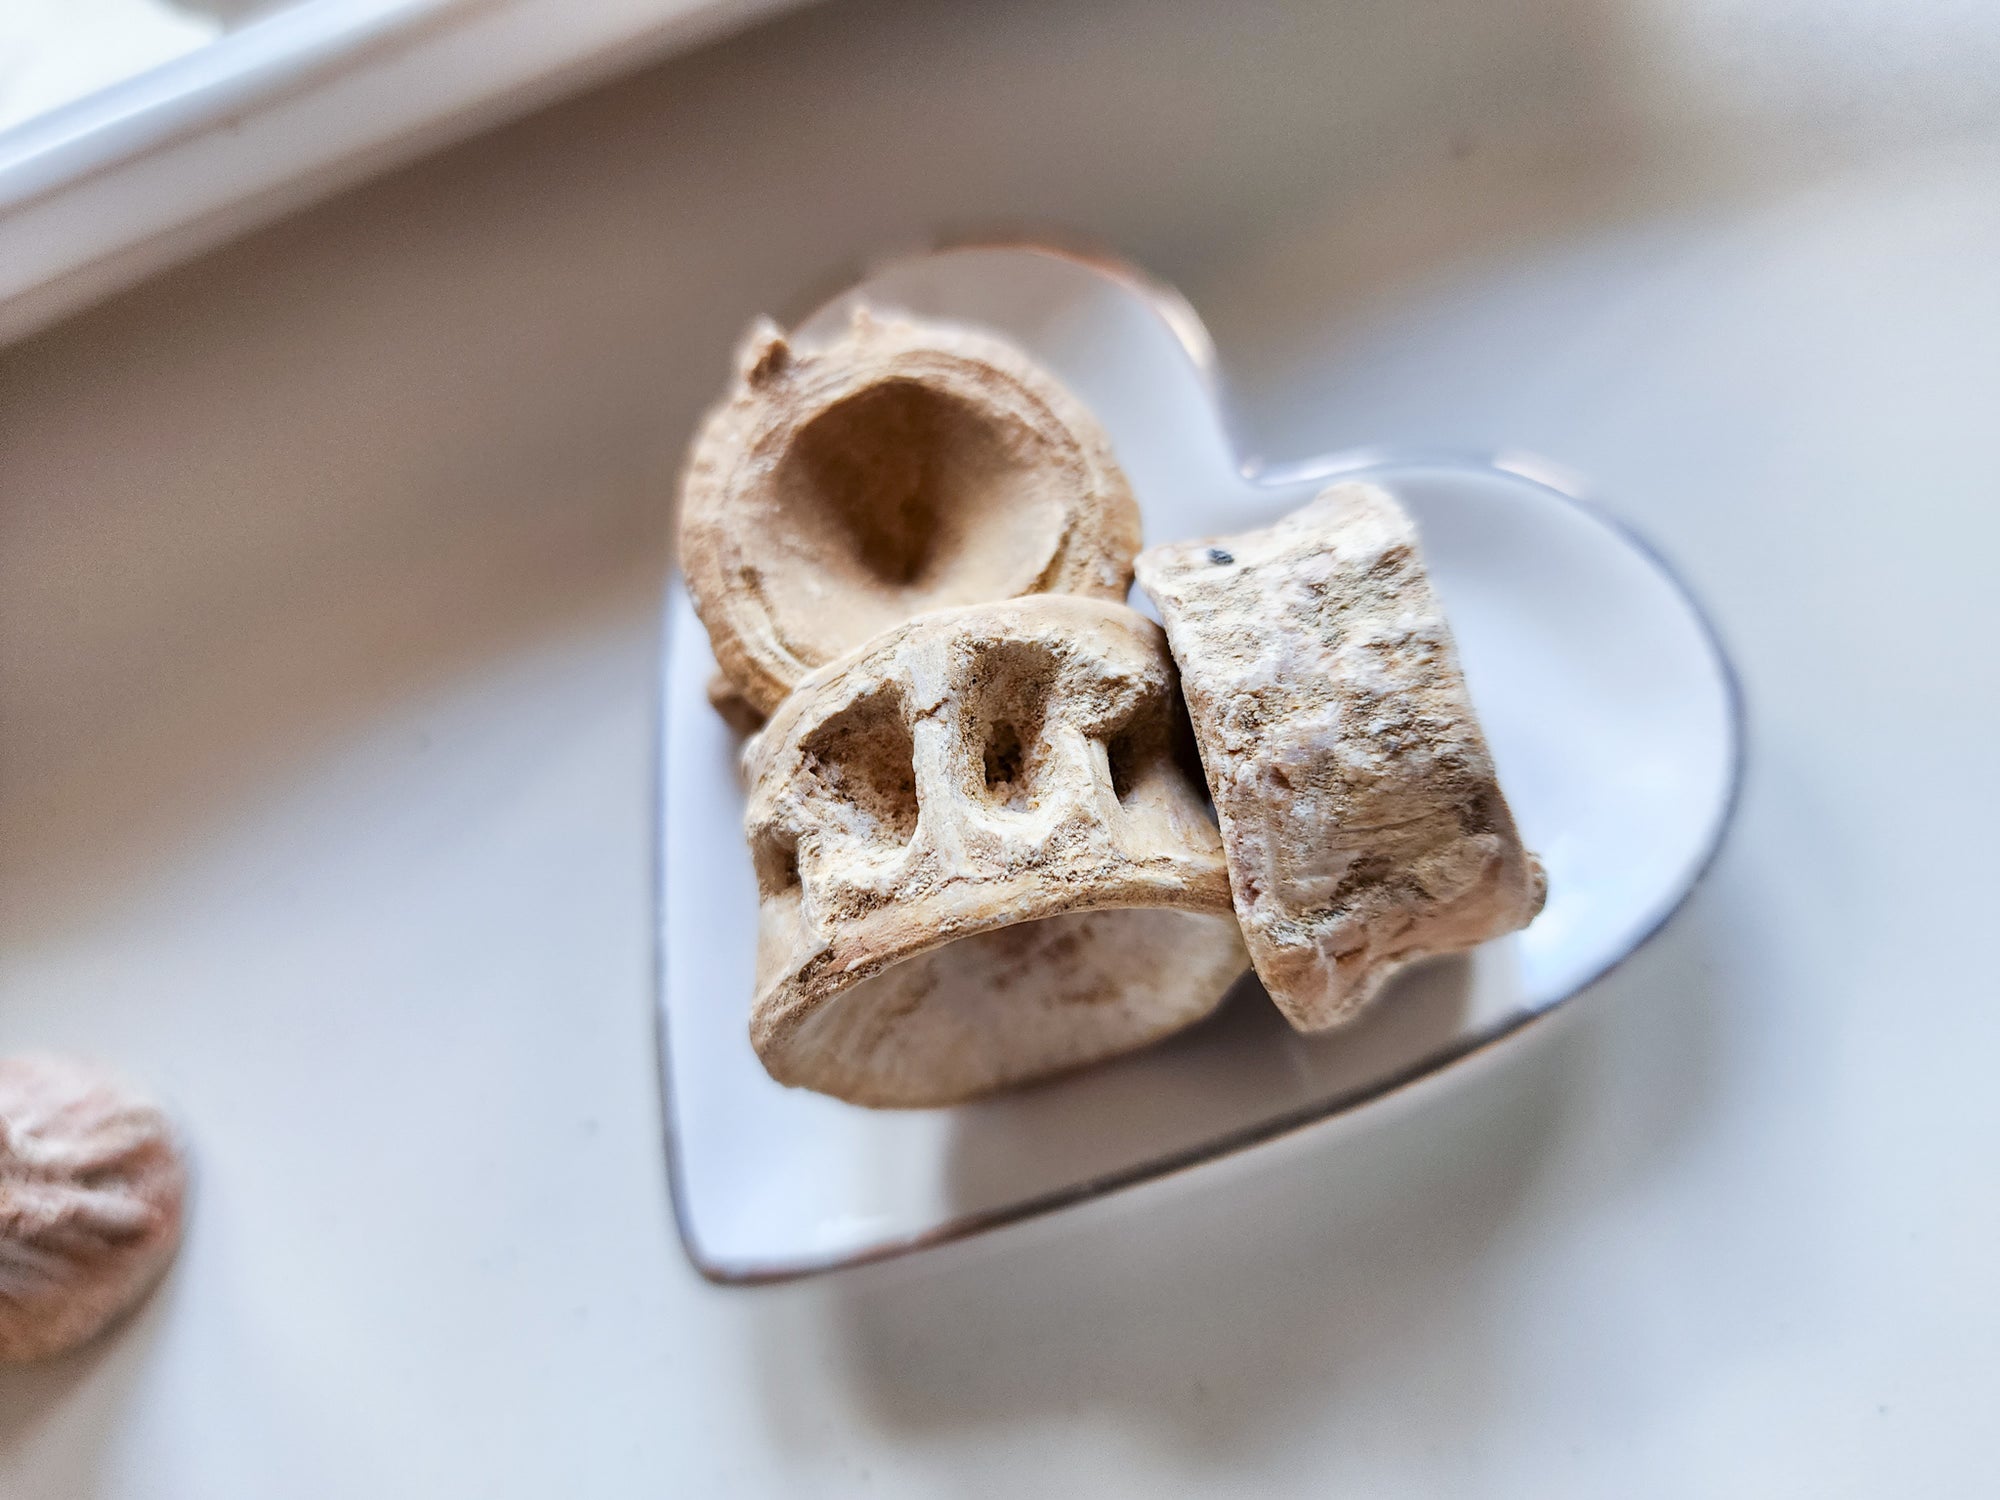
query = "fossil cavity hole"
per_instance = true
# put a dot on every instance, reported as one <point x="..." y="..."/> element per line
<point x="1006" y="710"/>
<point x="1140" y="750"/>
<point x="865" y="757"/>
<point x="774" y="853"/>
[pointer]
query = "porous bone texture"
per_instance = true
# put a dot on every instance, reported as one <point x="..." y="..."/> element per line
<point x="903" y="467"/>
<point x="982" y="857"/>
<point x="1363" y="824"/>
<point x="91" y="1186"/>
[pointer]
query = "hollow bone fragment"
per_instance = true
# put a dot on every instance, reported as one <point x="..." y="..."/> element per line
<point x="1360" y="814"/>
<point x="905" y="466"/>
<point x="982" y="857"/>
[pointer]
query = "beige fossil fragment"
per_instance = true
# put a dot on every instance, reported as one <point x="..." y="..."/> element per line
<point x="91" y="1186"/>
<point x="1360" y="814"/>
<point x="732" y="707"/>
<point x="982" y="857"/>
<point x="905" y="466"/>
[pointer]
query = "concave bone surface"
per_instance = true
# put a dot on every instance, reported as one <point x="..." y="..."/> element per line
<point x="846" y="484"/>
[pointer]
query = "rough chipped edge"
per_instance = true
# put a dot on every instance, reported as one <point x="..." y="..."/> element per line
<point x="1189" y="332"/>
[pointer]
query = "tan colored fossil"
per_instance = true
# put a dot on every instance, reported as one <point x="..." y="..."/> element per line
<point x="732" y="707"/>
<point x="982" y="857"/>
<point x="1362" y="820"/>
<point x="91" y="1186"/>
<point x="903" y="467"/>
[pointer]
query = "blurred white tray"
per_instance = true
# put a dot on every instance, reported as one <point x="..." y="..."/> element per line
<point x="270" y="115"/>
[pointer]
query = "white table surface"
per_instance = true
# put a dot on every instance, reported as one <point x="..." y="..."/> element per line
<point x="327" y="581"/>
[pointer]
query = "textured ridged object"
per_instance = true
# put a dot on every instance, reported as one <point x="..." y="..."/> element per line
<point x="1360" y="813"/>
<point x="91" y="1189"/>
<point x="982" y="857"/>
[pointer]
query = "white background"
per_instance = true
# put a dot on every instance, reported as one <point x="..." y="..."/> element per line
<point x="327" y="578"/>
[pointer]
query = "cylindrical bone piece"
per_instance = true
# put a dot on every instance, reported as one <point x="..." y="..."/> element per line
<point x="903" y="467"/>
<point x="91" y="1185"/>
<point x="982" y="857"/>
<point x="1360" y="814"/>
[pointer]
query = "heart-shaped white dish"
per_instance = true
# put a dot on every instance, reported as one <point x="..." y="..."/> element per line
<point x="1607" y="700"/>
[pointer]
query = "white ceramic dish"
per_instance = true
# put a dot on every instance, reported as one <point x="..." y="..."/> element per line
<point x="1609" y="704"/>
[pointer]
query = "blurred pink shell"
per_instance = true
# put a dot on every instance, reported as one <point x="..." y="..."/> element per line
<point x="91" y="1190"/>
